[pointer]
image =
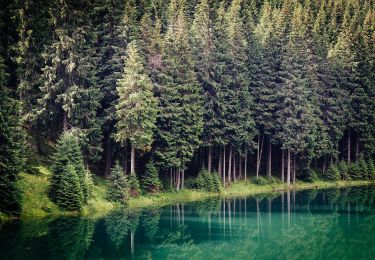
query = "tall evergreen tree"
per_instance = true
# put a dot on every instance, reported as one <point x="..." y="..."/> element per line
<point x="136" y="108"/>
<point x="69" y="94"/>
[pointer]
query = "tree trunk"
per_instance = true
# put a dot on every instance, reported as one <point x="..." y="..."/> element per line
<point x="259" y="154"/>
<point x="282" y="166"/>
<point x="294" y="169"/>
<point x="230" y="164"/>
<point x="171" y="177"/>
<point x="224" y="173"/>
<point x="65" y="121"/>
<point x="288" y="169"/>
<point x="108" y="157"/>
<point x="269" y="158"/>
<point x="349" y="145"/>
<point x="178" y="180"/>
<point x="245" y="166"/>
<point x="234" y="166"/>
<point x="183" y="179"/>
<point x="240" y="167"/>
<point x="356" y="148"/>
<point x="209" y="161"/>
<point x="132" y="161"/>
<point x="219" y="167"/>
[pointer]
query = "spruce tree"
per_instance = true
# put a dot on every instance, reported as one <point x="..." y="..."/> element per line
<point x="11" y="160"/>
<point x="180" y="116"/>
<point x="151" y="181"/>
<point x="119" y="185"/>
<point x="70" y="97"/>
<point x="136" y="107"/>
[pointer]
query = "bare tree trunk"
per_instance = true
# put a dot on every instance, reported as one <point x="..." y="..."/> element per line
<point x="282" y="166"/>
<point x="288" y="168"/>
<point x="65" y="121"/>
<point x="245" y="166"/>
<point x="324" y="164"/>
<point x="219" y="167"/>
<point x="259" y="154"/>
<point x="224" y="173"/>
<point x="209" y="161"/>
<point x="108" y="157"/>
<point x="183" y="179"/>
<point x="234" y="166"/>
<point x="240" y="166"/>
<point x="356" y="148"/>
<point x="178" y="179"/>
<point x="230" y="164"/>
<point x="349" y="145"/>
<point x="132" y="161"/>
<point x="294" y="169"/>
<point x="171" y="177"/>
<point x="269" y="157"/>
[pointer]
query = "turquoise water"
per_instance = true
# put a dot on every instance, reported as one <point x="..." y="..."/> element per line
<point x="330" y="224"/>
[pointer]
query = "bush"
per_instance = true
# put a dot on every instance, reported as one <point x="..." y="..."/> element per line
<point x="119" y="186"/>
<point x="134" y="186"/>
<point x="362" y="165"/>
<point x="266" y="180"/>
<point x="332" y="173"/>
<point x="343" y="169"/>
<point x="151" y="181"/>
<point x="208" y="181"/>
<point x="354" y="171"/>
<point x="371" y="169"/>
<point x="313" y="175"/>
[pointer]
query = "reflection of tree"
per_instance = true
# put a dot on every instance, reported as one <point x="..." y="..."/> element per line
<point x="150" y="223"/>
<point x="119" y="223"/>
<point x="69" y="238"/>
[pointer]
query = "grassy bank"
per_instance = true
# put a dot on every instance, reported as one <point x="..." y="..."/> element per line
<point x="36" y="204"/>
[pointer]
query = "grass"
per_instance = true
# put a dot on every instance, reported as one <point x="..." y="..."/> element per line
<point x="36" y="204"/>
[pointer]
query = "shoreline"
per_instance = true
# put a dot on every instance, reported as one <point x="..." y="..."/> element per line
<point x="99" y="206"/>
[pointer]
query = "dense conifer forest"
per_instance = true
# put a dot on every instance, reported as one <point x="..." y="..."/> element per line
<point x="178" y="93"/>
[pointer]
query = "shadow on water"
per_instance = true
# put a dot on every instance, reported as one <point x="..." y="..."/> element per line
<point x="327" y="224"/>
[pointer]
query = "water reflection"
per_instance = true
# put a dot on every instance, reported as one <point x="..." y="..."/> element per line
<point x="337" y="223"/>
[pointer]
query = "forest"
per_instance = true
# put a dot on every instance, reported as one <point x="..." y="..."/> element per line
<point x="173" y="94"/>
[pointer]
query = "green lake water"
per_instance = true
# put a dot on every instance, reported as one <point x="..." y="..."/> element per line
<point x="327" y="224"/>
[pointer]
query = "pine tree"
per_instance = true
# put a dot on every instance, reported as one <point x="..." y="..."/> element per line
<point x="136" y="107"/>
<point x="69" y="193"/>
<point x="11" y="160"/>
<point x="68" y="152"/>
<point x="151" y="181"/>
<point x="119" y="185"/>
<point x="70" y="95"/>
<point x="180" y="117"/>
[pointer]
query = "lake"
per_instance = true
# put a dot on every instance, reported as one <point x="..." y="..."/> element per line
<point x="314" y="224"/>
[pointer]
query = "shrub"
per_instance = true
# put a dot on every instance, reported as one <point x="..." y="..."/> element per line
<point x="119" y="186"/>
<point x="69" y="193"/>
<point x="151" y="181"/>
<point x="332" y="173"/>
<point x="134" y="186"/>
<point x="68" y="152"/>
<point x="371" y="169"/>
<point x="208" y="181"/>
<point x="266" y="180"/>
<point x="362" y="165"/>
<point x="313" y="175"/>
<point x="354" y="171"/>
<point x="343" y="169"/>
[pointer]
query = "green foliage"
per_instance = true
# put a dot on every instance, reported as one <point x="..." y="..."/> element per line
<point x="134" y="186"/>
<point x="313" y="175"/>
<point x="332" y="173"/>
<point x="69" y="194"/>
<point x="119" y="185"/>
<point x="343" y="169"/>
<point x="362" y="165"/>
<point x="354" y="171"/>
<point x="11" y="160"/>
<point x="68" y="152"/>
<point x="151" y="181"/>
<point x="266" y="180"/>
<point x="209" y="182"/>
<point x="371" y="169"/>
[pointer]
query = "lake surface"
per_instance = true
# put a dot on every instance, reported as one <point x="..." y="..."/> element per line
<point x="329" y="224"/>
